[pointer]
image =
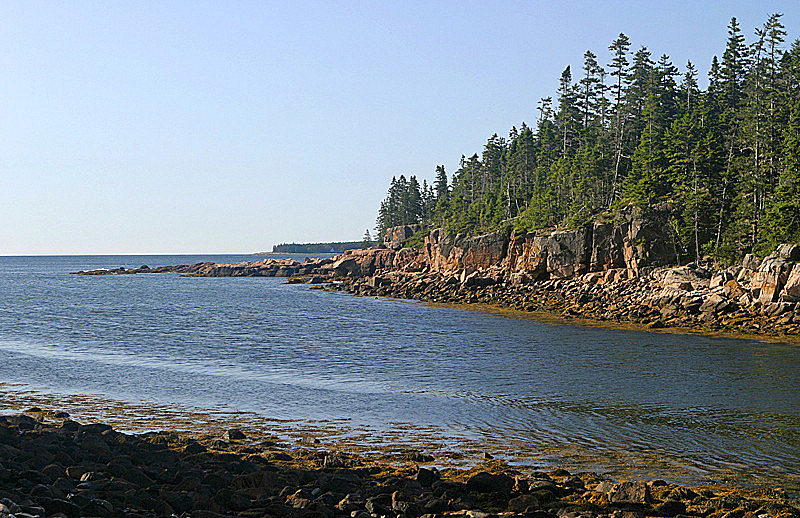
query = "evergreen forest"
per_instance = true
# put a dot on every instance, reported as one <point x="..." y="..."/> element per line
<point x="336" y="247"/>
<point x="724" y="161"/>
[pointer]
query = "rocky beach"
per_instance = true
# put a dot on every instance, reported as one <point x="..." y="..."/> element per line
<point x="51" y="465"/>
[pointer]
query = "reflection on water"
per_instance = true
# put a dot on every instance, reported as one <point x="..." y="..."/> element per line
<point x="712" y="408"/>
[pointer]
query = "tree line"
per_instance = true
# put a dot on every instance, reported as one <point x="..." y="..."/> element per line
<point x="335" y="247"/>
<point x="724" y="160"/>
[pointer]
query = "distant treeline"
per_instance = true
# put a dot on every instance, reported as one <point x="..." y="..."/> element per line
<point x="640" y="132"/>
<point x="316" y="248"/>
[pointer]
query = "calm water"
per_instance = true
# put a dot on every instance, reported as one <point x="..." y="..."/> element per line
<point x="716" y="409"/>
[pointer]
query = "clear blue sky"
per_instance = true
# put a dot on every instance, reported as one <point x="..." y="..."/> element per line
<point x="194" y="126"/>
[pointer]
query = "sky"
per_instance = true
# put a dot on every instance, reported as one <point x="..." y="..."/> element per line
<point x="228" y="127"/>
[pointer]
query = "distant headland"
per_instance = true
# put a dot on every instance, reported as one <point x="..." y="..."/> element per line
<point x="336" y="247"/>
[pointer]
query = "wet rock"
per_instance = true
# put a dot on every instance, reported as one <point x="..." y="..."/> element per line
<point x="682" y="493"/>
<point x="376" y="508"/>
<point x="426" y="477"/>
<point x="671" y="508"/>
<point x="96" y="446"/>
<point x="53" y="471"/>
<point x="630" y="493"/>
<point x="417" y="456"/>
<point x="234" y="434"/>
<point x="403" y="503"/>
<point x="70" y="426"/>
<point x="98" y="507"/>
<point x="351" y="503"/>
<point x="22" y="422"/>
<point x="95" y="428"/>
<point x="194" y="448"/>
<point x="56" y="505"/>
<point x="335" y="461"/>
<point x="485" y="482"/>
<point x="76" y="472"/>
<point x="523" y="503"/>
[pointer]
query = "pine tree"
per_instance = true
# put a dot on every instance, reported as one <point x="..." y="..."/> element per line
<point x="589" y="89"/>
<point x="367" y="241"/>
<point x="619" y="70"/>
<point x="567" y="111"/>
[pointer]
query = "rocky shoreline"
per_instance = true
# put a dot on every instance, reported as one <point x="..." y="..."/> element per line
<point x="647" y="302"/>
<point x="51" y="465"/>
<point x="621" y="274"/>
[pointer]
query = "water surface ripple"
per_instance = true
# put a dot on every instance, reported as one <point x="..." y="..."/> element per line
<point x="713" y="408"/>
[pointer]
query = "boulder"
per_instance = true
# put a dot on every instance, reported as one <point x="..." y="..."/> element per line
<point x="770" y="278"/>
<point x="522" y="503"/>
<point x="684" y="278"/>
<point x="359" y="263"/>
<point x="475" y="280"/>
<point x="788" y="252"/>
<point x="426" y="477"/>
<point x="395" y="236"/>
<point x="485" y="482"/>
<point x="234" y="434"/>
<point x="750" y="262"/>
<point x="791" y="290"/>
<point x="630" y="493"/>
<point x="720" y="279"/>
<point x="716" y="303"/>
<point x="733" y="290"/>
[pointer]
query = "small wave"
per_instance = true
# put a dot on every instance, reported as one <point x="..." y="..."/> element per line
<point x="281" y="376"/>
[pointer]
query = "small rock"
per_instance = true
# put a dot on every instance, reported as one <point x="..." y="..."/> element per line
<point x="76" y="472"/>
<point x="375" y="508"/>
<point x="335" y="461"/>
<point x="234" y="434"/>
<point x="194" y="447"/>
<point x="671" y="508"/>
<point x="682" y="493"/>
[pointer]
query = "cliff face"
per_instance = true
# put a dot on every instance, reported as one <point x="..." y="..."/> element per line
<point x="634" y="243"/>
